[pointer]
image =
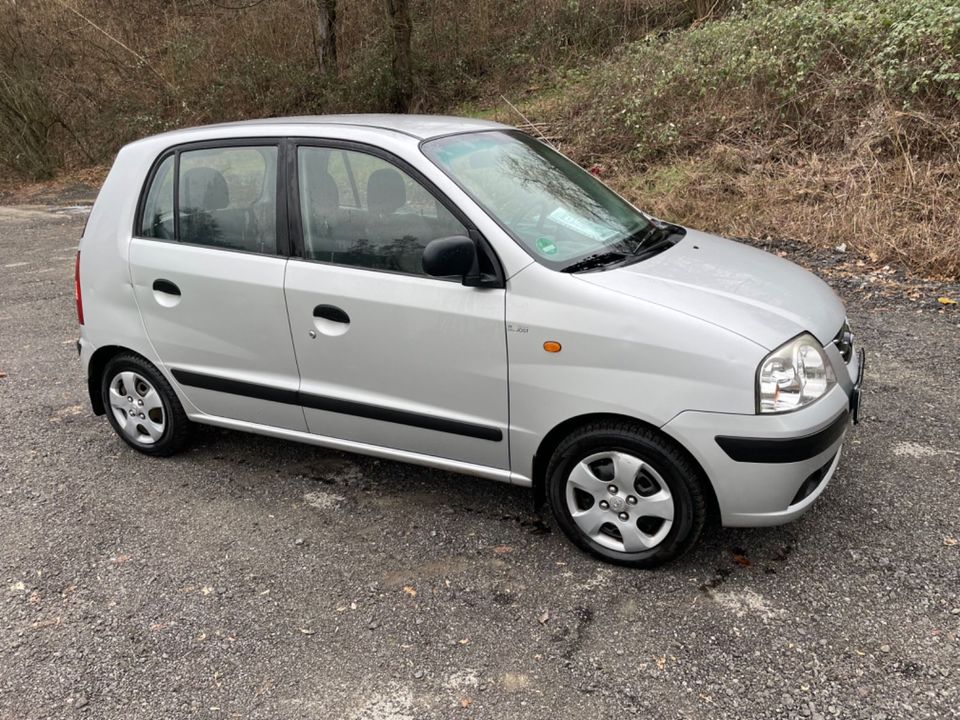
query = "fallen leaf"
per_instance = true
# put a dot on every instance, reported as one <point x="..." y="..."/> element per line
<point x="941" y="300"/>
<point x="305" y="631"/>
<point x="45" y="623"/>
<point x="410" y="590"/>
<point x="544" y="618"/>
<point x="466" y="702"/>
<point x="503" y="549"/>
<point x="949" y="541"/>
<point x="2" y="374"/>
<point x="740" y="557"/>
<point x="465" y="641"/>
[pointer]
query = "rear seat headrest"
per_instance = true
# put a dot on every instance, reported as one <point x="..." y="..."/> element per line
<point x="325" y="195"/>
<point x="203" y="188"/>
<point x="386" y="191"/>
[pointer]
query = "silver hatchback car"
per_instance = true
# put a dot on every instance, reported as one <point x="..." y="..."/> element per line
<point x="454" y="293"/>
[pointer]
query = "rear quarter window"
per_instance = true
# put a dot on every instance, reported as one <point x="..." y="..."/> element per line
<point x="157" y="219"/>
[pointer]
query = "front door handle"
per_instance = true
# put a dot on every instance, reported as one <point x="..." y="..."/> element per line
<point x="331" y="313"/>
<point x="165" y="286"/>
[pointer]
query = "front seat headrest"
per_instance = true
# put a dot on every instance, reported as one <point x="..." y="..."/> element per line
<point x="203" y="188"/>
<point x="386" y="191"/>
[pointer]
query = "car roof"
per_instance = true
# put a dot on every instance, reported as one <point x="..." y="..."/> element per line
<point x="422" y="127"/>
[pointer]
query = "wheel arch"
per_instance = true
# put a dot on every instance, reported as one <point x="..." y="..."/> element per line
<point x="554" y="437"/>
<point x="98" y="361"/>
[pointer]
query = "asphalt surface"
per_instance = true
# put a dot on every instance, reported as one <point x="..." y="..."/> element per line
<point x="254" y="578"/>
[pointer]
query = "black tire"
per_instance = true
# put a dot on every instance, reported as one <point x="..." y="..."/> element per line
<point x="177" y="428"/>
<point x="682" y="478"/>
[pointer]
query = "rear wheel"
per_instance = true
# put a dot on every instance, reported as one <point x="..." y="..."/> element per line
<point x="626" y="494"/>
<point x="142" y="407"/>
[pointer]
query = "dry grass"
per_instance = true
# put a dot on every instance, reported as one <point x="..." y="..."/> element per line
<point x="76" y="184"/>
<point x="890" y="211"/>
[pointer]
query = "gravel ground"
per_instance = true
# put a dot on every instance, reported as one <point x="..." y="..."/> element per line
<point x="254" y="578"/>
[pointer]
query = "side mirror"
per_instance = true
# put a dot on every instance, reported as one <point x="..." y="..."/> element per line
<point x="451" y="256"/>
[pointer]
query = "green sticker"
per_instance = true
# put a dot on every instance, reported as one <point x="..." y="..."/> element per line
<point x="546" y="246"/>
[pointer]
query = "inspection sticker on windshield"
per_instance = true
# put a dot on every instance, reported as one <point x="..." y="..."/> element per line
<point x="546" y="246"/>
<point x="593" y="230"/>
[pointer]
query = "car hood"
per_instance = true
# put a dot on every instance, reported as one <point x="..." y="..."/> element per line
<point x="747" y="291"/>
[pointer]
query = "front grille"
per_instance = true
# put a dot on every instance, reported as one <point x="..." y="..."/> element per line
<point x="844" y="342"/>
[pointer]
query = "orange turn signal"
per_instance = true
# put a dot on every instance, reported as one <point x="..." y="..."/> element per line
<point x="551" y="346"/>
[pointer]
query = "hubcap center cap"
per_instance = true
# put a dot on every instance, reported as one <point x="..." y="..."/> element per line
<point x="617" y="503"/>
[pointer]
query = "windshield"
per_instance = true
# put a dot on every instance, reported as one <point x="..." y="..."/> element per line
<point x="557" y="210"/>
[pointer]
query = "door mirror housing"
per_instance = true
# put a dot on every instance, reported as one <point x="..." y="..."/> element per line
<point x="452" y="256"/>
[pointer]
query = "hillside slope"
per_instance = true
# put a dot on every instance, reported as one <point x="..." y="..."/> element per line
<point x="830" y="121"/>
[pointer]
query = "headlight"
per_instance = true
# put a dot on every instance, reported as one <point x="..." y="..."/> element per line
<point x="793" y="376"/>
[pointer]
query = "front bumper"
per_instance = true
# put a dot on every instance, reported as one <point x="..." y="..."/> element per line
<point x="768" y="469"/>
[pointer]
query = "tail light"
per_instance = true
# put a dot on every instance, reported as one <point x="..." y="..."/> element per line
<point x="76" y="290"/>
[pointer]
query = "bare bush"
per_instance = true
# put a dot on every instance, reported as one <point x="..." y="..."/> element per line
<point x="92" y="74"/>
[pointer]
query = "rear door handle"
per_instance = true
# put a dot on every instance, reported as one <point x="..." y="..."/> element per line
<point x="165" y="286"/>
<point x="332" y="313"/>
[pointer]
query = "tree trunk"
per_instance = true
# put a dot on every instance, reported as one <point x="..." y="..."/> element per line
<point x="398" y="12"/>
<point x="327" y="36"/>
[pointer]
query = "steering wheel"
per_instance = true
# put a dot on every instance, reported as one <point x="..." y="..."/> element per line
<point x="529" y="210"/>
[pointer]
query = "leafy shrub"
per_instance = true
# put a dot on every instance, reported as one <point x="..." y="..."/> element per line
<point x="801" y="70"/>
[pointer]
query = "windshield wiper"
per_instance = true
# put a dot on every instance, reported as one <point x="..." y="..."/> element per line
<point x="650" y="235"/>
<point x="657" y="238"/>
<point x="595" y="261"/>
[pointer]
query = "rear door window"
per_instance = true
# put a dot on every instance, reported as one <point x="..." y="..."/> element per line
<point x="227" y="197"/>
<point x="224" y="197"/>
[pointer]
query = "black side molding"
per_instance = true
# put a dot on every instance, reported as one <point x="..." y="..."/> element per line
<point x="401" y="417"/>
<point x="336" y="405"/>
<point x="786" y="450"/>
<point x="236" y="387"/>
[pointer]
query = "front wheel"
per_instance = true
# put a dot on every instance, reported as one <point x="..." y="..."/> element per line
<point x="626" y="494"/>
<point x="142" y="407"/>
